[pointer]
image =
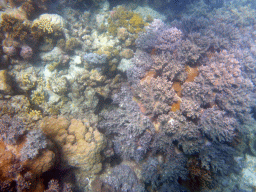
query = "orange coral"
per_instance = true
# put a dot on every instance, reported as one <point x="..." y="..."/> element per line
<point x="176" y="106"/>
<point x="149" y="75"/>
<point x="192" y="72"/>
<point x="177" y="88"/>
<point x="23" y="175"/>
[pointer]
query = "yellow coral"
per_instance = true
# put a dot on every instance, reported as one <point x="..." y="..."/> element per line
<point x="38" y="97"/>
<point x="35" y="115"/>
<point x="136" y="23"/>
<point x="53" y="66"/>
<point x="44" y="25"/>
<point x="27" y="81"/>
<point x="120" y="17"/>
<point x="47" y="24"/>
<point x="71" y="44"/>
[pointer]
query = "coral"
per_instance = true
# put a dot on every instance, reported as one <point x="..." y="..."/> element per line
<point x="35" y="141"/>
<point x="136" y="23"/>
<point x="123" y="178"/>
<point x="126" y="53"/>
<point x="217" y="125"/>
<point x="47" y="24"/>
<point x="169" y="39"/>
<point x="122" y="18"/>
<point x="95" y="60"/>
<point x="71" y="44"/>
<point x="127" y="124"/>
<point x="5" y="84"/>
<point x="38" y="97"/>
<point x="59" y="85"/>
<point x="142" y="63"/>
<point x="148" y="39"/>
<point x="15" y="27"/>
<point x="29" y="8"/>
<point x="156" y="96"/>
<point x="16" y="173"/>
<point x="25" y="78"/>
<point x="218" y="158"/>
<point x="122" y="33"/>
<point x="190" y="109"/>
<point x="26" y="52"/>
<point x="53" y="186"/>
<point x="200" y="177"/>
<point x="80" y="145"/>
<point x="11" y="129"/>
<point x="10" y="51"/>
<point x="155" y="172"/>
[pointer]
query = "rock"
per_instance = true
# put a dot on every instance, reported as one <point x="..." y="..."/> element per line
<point x="124" y="65"/>
<point x="54" y="55"/>
<point x="127" y="53"/>
<point x="248" y="173"/>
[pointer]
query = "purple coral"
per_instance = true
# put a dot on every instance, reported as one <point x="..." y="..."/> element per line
<point x="127" y="125"/>
<point x="26" y="52"/>
<point x="217" y="125"/>
<point x="35" y="142"/>
<point x="169" y="39"/>
<point x="11" y="129"/>
<point x="218" y="158"/>
<point x="123" y="178"/>
<point x="147" y="40"/>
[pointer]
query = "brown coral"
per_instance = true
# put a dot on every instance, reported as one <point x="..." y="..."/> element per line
<point x="15" y="28"/>
<point x="80" y="144"/>
<point x="18" y="175"/>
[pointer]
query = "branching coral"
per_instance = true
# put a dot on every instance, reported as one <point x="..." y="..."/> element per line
<point x="11" y="129"/>
<point x="16" y="28"/>
<point x="191" y="92"/>
<point x="123" y="178"/>
<point x="128" y="124"/>
<point x="120" y="17"/>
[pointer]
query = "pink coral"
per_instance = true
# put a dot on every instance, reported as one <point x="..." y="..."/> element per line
<point x="10" y="51"/>
<point x="26" y="52"/>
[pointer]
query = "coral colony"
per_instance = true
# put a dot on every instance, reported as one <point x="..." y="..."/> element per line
<point x="127" y="96"/>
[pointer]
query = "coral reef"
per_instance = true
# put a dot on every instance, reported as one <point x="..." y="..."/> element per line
<point x="108" y="97"/>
